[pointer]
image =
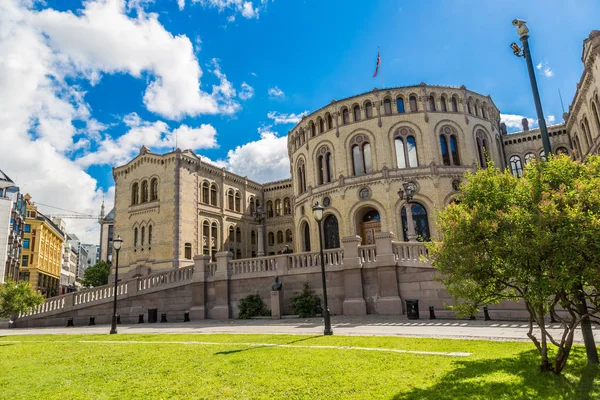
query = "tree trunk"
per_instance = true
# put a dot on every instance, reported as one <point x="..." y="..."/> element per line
<point x="546" y="364"/>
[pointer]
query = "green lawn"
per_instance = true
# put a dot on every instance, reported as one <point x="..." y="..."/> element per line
<point x="173" y="366"/>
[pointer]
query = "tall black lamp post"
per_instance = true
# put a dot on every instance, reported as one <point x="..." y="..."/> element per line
<point x="318" y="214"/>
<point x="117" y="246"/>
<point x="525" y="53"/>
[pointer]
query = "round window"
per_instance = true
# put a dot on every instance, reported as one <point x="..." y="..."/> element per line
<point x="456" y="184"/>
<point x="364" y="194"/>
<point x="326" y="201"/>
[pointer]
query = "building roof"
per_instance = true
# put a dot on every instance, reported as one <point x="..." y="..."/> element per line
<point x="5" y="181"/>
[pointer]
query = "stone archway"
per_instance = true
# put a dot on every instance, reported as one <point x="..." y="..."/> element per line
<point x="368" y="223"/>
<point x="417" y="228"/>
<point x="331" y="232"/>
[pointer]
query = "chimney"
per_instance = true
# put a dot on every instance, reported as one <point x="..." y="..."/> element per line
<point x="525" y="124"/>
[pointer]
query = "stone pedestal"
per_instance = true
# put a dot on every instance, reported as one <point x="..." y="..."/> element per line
<point x="354" y="302"/>
<point x="276" y="304"/>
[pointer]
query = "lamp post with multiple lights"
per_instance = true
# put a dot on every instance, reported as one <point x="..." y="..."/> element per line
<point x="117" y="246"/>
<point x="259" y="216"/>
<point x="406" y="193"/>
<point x="318" y="214"/>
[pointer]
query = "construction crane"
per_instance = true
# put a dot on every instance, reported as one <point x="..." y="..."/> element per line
<point x="73" y="214"/>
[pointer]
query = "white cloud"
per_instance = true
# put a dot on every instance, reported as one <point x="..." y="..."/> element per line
<point x="550" y="119"/>
<point x="247" y="91"/>
<point x="181" y="4"/>
<point x="224" y="92"/>
<point x="275" y="92"/>
<point x="263" y="160"/>
<point x="253" y="73"/>
<point x="279" y="118"/>
<point x="231" y="18"/>
<point x="104" y="39"/>
<point x="156" y="135"/>
<point x="247" y="8"/>
<point x="546" y="70"/>
<point x="514" y="122"/>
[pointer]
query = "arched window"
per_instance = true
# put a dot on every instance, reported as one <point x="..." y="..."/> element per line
<point x="443" y="105"/>
<point x="529" y="157"/>
<point x="406" y="148"/>
<point x="154" y="189"/>
<point x="516" y="167"/>
<point x="587" y="128"/>
<point x="252" y="207"/>
<point x="585" y="136"/>
<point x="306" y="234"/>
<point x="150" y="235"/>
<point x="135" y="194"/>
<point x="324" y="165"/>
<point x="476" y="109"/>
<point x="387" y="106"/>
<point x="144" y="191"/>
<point x="206" y="238"/>
<point x="213" y="195"/>
<point x="301" y="177"/>
<point x="454" y="104"/>
<point x="412" y="100"/>
<point x="449" y="146"/>
<point x="135" y="237"/>
<point x="278" y="210"/>
<point x="543" y="155"/>
<point x="596" y="116"/>
<point x="188" y="251"/>
<point x="270" y="213"/>
<point x="562" y="150"/>
<point x="271" y="237"/>
<point x="469" y="107"/>
<point x="321" y="125"/>
<point x="231" y="237"/>
<point x="143" y="235"/>
<point x="230" y="199"/>
<point x="313" y="131"/>
<point x="356" y="112"/>
<point x="431" y="103"/>
<point x="482" y="149"/>
<point x="329" y="121"/>
<point x="214" y="240"/>
<point x="238" y="235"/>
<point x="483" y="112"/>
<point x="331" y="232"/>
<point x="420" y="222"/>
<point x="205" y="192"/>
<point x="287" y="206"/>
<point x="361" y="156"/>
<point x="345" y="116"/>
<point x="253" y="237"/>
<point x="279" y="237"/>
<point x="288" y="236"/>
<point x="238" y="202"/>
<point x="369" y="110"/>
<point x="400" y="105"/>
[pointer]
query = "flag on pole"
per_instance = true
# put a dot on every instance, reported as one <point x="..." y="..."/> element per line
<point x="377" y="65"/>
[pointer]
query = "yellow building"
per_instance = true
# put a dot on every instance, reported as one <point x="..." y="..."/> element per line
<point x="42" y="251"/>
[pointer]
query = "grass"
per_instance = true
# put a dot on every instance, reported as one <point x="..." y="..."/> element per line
<point x="170" y="367"/>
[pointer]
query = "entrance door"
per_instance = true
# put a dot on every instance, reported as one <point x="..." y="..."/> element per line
<point x="368" y="231"/>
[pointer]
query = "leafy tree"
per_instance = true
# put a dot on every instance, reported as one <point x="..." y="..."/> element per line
<point x="17" y="297"/>
<point x="252" y="306"/>
<point x="534" y="239"/>
<point x="96" y="275"/>
<point x="306" y="304"/>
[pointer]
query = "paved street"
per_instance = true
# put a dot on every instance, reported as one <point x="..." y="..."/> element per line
<point x="363" y="326"/>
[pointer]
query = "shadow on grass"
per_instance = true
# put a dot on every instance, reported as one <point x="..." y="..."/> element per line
<point x="517" y="377"/>
<point x="262" y="347"/>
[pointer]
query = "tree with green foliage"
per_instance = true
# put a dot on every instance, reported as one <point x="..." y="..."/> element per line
<point x="534" y="239"/>
<point x="96" y="275"/>
<point x="17" y="297"/>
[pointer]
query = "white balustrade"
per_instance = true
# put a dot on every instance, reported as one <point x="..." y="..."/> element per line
<point x="367" y="253"/>
<point x="165" y="278"/>
<point x="410" y="252"/>
<point x="211" y="269"/>
<point x="332" y="257"/>
<point x="251" y="265"/>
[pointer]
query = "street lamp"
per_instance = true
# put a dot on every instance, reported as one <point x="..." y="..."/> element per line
<point x="117" y="246"/>
<point x="525" y="53"/>
<point x="407" y="191"/>
<point x="318" y="214"/>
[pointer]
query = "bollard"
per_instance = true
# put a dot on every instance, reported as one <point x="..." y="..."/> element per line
<point x="92" y="321"/>
<point x="118" y="319"/>
<point x="163" y="317"/>
<point x="431" y="313"/>
<point x="141" y="319"/>
<point x="70" y="323"/>
<point x="186" y="316"/>
<point x="486" y="314"/>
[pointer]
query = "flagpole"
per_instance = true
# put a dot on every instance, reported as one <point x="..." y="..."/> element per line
<point x="382" y="80"/>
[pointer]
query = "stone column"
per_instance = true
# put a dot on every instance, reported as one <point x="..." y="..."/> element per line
<point x="261" y="239"/>
<point x="389" y="301"/>
<point x="276" y="304"/>
<point x="221" y="286"/>
<point x="198" y="288"/>
<point x="354" y="301"/>
<point x="410" y="223"/>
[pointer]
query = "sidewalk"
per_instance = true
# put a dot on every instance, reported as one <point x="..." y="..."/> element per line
<point x="370" y="325"/>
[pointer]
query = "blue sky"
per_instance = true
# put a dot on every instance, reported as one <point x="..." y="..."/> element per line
<point x="87" y="83"/>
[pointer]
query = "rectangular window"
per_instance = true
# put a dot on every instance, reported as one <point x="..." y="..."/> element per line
<point x="25" y="261"/>
<point x="25" y="243"/>
<point x="27" y="228"/>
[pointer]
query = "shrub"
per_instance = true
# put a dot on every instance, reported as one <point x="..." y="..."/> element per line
<point x="252" y="306"/>
<point x="306" y="304"/>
